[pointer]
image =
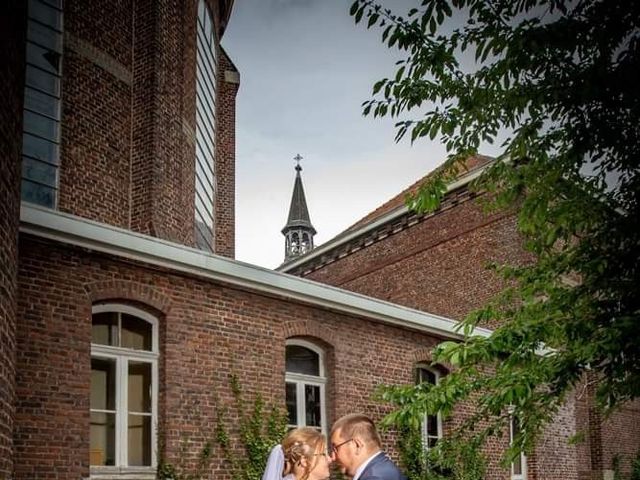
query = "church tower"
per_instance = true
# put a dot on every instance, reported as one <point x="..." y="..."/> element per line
<point x="298" y="231"/>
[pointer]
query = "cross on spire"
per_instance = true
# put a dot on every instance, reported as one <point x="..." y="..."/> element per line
<point x="297" y="158"/>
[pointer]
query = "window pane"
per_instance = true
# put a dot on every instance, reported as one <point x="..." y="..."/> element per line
<point x="104" y="328"/>
<point x="43" y="81"/>
<point x="103" y="386"/>
<point x="426" y="376"/>
<point x="201" y="8"/>
<point x="302" y="360"/>
<point x="41" y="102"/>
<point x="41" y="126"/>
<point x="136" y="333"/>
<point x="139" y="438"/>
<point x="432" y="425"/>
<point x="39" y="171"/>
<point x="203" y="237"/>
<point x="312" y="405"/>
<point x="45" y="36"/>
<point x="54" y="3"/>
<point x="517" y="462"/>
<point x="292" y="410"/>
<point x="517" y="465"/>
<point x="39" y="194"/>
<point x="139" y="387"/>
<point x="41" y="57"/>
<point x="205" y="130"/>
<point x="103" y="439"/>
<point x="431" y="442"/>
<point x="45" y="14"/>
<point x="39" y="148"/>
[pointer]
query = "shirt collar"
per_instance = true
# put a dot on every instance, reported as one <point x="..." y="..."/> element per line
<point x="364" y="465"/>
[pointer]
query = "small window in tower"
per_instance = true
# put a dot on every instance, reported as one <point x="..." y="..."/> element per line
<point x="42" y="105"/>
<point x="205" y="149"/>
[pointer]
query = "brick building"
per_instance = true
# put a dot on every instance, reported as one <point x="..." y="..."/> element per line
<point x="122" y="312"/>
<point x="437" y="263"/>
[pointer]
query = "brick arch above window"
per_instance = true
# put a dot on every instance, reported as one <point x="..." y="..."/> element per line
<point x="128" y="291"/>
<point x="305" y="328"/>
<point x="424" y="355"/>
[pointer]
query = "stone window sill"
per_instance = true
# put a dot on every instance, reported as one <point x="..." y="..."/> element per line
<point x="123" y="473"/>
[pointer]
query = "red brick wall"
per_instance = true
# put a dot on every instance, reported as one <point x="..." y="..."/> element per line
<point x="207" y="331"/>
<point x="437" y="265"/>
<point x="128" y="146"/>
<point x="225" y="156"/>
<point x="96" y="118"/>
<point x="621" y="438"/>
<point x="12" y="37"/>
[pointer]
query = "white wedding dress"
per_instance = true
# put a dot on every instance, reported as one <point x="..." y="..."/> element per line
<point x="275" y="465"/>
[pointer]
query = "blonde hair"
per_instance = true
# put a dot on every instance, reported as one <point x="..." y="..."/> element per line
<point x="358" y="425"/>
<point x="301" y="443"/>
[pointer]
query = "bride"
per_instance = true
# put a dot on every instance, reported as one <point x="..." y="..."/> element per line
<point x="301" y="456"/>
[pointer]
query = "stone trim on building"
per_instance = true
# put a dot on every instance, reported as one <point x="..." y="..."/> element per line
<point x="72" y="230"/>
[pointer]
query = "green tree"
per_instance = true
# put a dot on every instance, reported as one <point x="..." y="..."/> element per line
<point x="558" y="81"/>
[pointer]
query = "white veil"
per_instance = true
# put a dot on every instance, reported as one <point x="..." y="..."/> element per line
<point x="275" y="464"/>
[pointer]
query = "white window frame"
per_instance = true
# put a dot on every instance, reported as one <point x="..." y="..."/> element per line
<point x="424" y="426"/>
<point x="122" y="356"/>
<point x="300" y="380"/>
<point x="523" y="457"/>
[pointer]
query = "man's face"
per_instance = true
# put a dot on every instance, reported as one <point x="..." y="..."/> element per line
<point x="343" y="452"/>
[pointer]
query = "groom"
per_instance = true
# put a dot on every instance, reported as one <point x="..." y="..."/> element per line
<point x="356" y="447"/>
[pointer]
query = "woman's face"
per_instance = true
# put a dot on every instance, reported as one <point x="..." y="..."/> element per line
<point x="320" y="469"/>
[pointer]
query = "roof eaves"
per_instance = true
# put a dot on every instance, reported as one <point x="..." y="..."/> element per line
<point x="72" y="230"/>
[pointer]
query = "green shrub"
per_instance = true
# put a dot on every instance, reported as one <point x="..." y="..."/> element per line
<point x="259" y="431"/>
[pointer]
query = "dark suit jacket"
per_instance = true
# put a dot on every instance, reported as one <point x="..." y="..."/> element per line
<point x="381" y="468"/>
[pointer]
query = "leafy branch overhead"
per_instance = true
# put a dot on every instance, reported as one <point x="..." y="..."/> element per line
<point x="555" y="85"/>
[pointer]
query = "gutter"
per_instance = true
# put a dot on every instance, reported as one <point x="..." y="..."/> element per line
<point x="76" y="231"/>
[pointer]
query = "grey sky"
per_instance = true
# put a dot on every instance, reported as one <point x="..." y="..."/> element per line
<point x="305" y="70"/>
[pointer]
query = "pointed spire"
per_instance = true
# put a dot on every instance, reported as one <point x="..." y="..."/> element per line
<point x="298" y="231"/>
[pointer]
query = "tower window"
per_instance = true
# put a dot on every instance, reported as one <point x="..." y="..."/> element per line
<point x="206" y="70"/>
<point x="42" y="106"/>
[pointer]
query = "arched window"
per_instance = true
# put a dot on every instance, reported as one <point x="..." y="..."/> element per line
<point x="432" y="422"/>
<point x="304" y="247"/>
<point x="124" y="387"/>
<point x="295" y="243"/>
<point x="305" y="385"/>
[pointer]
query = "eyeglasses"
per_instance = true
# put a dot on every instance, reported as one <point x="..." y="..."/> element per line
<point x="334" y="448"/>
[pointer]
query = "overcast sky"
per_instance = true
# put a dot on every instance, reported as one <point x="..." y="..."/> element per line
<point x="305" y="70"/>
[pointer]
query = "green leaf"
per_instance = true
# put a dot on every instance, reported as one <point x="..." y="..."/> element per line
<point x="373" y="18"/>
<point x="354" y="8"/>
